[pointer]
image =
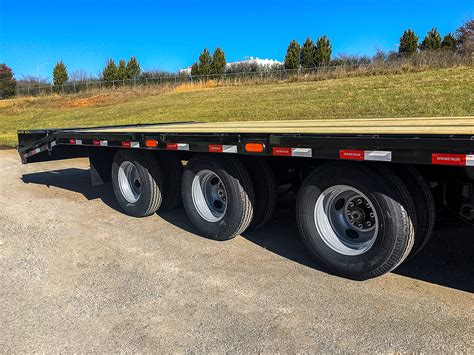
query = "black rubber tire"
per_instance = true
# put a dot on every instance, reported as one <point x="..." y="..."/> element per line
<point x="240" y="195"/>
<point x="151" y="179"/>
<point x="172" y="169"/>
<point x="424" y="205"/>
<point x="265" y="188"/>
<point x="392" y="203"/>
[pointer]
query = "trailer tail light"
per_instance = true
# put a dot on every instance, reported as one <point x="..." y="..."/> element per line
<point x="151" y="143"/>
<point x="126" y="144"/>
<point x="96" y="142"/>
<point x="449" y="159"/>
<point x="254" y="147"/>
<point x="72" y="141"/>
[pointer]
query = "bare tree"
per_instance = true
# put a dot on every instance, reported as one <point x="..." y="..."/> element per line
<point x="80" y="75"/>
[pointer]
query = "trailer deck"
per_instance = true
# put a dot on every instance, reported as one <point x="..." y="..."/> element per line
<point x="432" y="125"/>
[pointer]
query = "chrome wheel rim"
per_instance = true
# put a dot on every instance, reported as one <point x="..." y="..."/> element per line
<point x="346" y="220"/>
<point x="209" y="196"/>
<point x="129" y="182"/>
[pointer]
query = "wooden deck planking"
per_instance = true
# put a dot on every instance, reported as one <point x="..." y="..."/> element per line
<point x="422" y="125"/>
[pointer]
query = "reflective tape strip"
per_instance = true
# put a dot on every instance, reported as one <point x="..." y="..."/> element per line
<point x="301" y="152"/>
<point x="448" y="159"/>
<point x="37" y="150"/>
<point x="470" y="160"/>
<point x="135" y="144"/>
<point x="351" y="154"/>
<point x="281" y="151"/>
<point x="78" y="141"/>
<point x="104" y="143"/>
<point x="177" y="146"/>
<point x="183" y="146"/>
<point x="53" y="143"/>
<point x="377" y="155"/>
<point x="215" y="148"/>
<point x="229" y="149"/>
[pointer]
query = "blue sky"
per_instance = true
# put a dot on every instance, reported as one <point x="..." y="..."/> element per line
<point x="169" y="35"/>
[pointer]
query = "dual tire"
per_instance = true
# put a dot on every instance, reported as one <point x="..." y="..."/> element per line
<point x="356" y="220"/>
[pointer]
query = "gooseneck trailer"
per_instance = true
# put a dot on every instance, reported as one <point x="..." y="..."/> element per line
<point x="368" y="190"/>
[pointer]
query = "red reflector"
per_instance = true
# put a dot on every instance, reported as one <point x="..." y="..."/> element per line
<point x="126" y="144"/>
<point x="96" y="142"/>
<point x="351" y="154"/>
<point x="215" y="148"/>
<point x="448" y="159"/>
<point x="286" y="152"/>
<point x="72" y="141"/>
<point x="172" y="146"/>
<point x="151" y="143"/>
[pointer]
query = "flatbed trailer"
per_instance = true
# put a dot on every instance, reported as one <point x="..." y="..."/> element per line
<point x="367" y="190"/>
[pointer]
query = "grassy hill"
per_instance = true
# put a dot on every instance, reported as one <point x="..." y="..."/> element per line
<point x="441" y="92"/>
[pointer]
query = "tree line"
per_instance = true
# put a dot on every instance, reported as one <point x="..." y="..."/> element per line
<point x="308" y="55"/>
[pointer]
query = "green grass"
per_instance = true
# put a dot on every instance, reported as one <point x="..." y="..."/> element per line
<point x="441" y="92"/>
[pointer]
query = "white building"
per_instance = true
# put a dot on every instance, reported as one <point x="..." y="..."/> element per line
<point x="249" y="60"/>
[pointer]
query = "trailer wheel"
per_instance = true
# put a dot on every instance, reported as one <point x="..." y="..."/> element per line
<point x="424" y="205"/>
<point x="218" y="195"/>
<point x="265" y="187"/>
<point x="137" y="181"/>
<point x="356" y="220"/>
<point x="172" y="168"/>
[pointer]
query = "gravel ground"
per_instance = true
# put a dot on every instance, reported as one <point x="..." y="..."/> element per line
<point x="78" y="276"/>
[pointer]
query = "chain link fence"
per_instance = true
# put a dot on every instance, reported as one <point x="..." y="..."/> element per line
<point x="255" y="75"/>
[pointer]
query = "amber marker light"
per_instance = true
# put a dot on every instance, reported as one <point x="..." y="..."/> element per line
<point x="254" y="147"/>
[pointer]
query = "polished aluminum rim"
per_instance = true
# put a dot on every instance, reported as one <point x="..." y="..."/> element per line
<point x="346" y="220"/>
<point x="129" y="182"/>
<point x="209" y="196"/>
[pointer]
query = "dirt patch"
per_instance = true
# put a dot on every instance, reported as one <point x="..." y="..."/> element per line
<point x="92" y="101"/>
<point x="196" y="86"/>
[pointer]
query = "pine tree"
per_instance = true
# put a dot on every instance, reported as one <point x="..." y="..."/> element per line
<point x="432" y="40"/>
<point x="218" y="61"/>
<point x="7" y="82"/>
<point x="205" y="62"/>
<point x="449" y="42"/>
<point x="110" y="71"/>
<point x="195" y="69"/>
<point x="292" y="58"/>
<point x="308" y="52"/>
<point x="408" y="43"/>
<point x="60" y="74"/>
<point x="122" y="70"/>
<point x="323" y="51"/>
<point x="133" y="68"/>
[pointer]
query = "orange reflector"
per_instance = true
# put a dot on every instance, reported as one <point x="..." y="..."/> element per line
<point x="151" y="143"/>
<point x="254" y="147"/>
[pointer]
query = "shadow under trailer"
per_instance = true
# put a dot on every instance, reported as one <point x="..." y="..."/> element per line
<point x="368" y="190"/>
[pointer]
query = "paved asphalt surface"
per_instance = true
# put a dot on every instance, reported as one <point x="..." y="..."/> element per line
<point x="78" y="276"/>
